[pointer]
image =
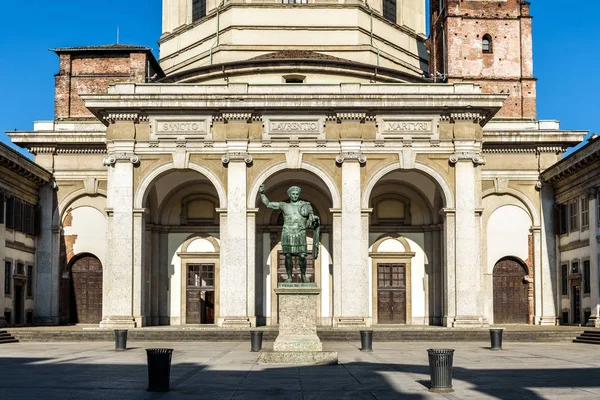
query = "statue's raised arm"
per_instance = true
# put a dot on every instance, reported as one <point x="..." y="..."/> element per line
<point x="265" y="200"/>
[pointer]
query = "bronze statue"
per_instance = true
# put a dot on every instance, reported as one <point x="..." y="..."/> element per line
<point x="297" y="216"/>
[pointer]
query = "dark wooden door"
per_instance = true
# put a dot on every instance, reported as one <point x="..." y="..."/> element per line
<point x="511" y="305"/>
<point x="86" y="299"/>
<point x="576" y="303"/>
<point x="200" y="294"/>
<point x="391" y="293"/>
<point x="19" y="301"/>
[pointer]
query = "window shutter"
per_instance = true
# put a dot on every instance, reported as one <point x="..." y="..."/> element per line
<point x="27" y="219"/>
<point x="18" y="215"/>
<point x="10" y="213"/>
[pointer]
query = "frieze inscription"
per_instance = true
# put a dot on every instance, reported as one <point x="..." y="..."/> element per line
<point x="181" y="127"/>
<point x="407" y="127"/>
<point x="294" y="127"/>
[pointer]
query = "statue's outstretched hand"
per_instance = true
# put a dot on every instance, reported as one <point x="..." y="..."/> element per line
<point x="261" y="189"/>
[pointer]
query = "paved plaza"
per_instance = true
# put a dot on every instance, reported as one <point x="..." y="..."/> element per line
<point x="228" y="370"/>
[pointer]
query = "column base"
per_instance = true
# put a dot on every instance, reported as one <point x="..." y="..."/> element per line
<point x="468" y="321"/>
<point x="234" y="322"/>
<point x="351" y="322"/>
<point x="118" y="321"/>
<point x="140" y="321"/>
<point x="593" y="322"/>
<point x="548" y="321"/>
<point x="45" y="321"/>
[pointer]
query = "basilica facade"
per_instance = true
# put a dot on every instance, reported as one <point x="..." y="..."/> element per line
<point x="420" y="155"/>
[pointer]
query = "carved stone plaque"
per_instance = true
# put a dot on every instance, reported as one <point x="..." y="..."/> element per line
<point x="411" y="127"/>
<point x="178" y="127"/>
<point x="297" y="127"/>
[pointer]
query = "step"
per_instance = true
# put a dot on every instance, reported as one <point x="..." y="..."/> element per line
<point x="8" y="340"/>
<point x="586" y="341"/>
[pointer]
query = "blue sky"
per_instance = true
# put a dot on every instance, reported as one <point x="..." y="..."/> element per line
<point x="566" y="54"/>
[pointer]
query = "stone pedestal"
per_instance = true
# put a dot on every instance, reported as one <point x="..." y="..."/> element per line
<point x="297" y="342"/>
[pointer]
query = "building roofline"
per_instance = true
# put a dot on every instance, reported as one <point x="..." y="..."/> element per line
<point x="15" y="161"/>
<point x="574" y="162"/>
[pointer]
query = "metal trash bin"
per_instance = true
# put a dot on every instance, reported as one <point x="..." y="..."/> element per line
<point x="440" y="370"/>
<point x="366" y="340"/>
<point x="120" y="339"/>
<point x="496" y="338"/>
<point x="159" y="369"/>
<point x="256" y="340"/>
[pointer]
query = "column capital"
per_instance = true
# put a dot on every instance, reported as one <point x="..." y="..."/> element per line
<point x="236" y="156"/>
<point x="111" y="159"/>
<point x="357" y="156"/>
<point x="475" y="158"/>
<point x="448" y="211"/>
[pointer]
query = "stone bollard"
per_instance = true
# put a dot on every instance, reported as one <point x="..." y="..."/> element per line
<point x="440" y="370"/>
<point x="366" y="340"/>
<point x="159" y="369"/>
<point x="496" y="338"/>
<point x="256" y="340"/>
<point x="120" y="339"/>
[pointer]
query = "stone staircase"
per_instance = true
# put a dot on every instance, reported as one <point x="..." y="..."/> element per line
<point x="590" y="337"/>
<point x="380" y="334"/>
<point x="6" y="337"/>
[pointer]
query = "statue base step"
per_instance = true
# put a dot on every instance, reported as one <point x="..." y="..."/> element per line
<point x="298" y="357"/>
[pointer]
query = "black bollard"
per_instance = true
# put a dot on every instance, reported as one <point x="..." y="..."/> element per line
<point x="496" y="338"/>
<point x="159" y="369"/>
<point x="366" y="340"/>
<point x="440" y="370"/>
<point x="120" y="339"/>
<point x="256" y="340"/>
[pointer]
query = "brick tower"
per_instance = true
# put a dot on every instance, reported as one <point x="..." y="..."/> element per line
<point x="489" y="42"/>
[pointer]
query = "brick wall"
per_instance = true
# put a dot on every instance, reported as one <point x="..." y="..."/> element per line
<point x="456" y="50"/>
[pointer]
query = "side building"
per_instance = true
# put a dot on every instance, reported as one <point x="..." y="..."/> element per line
<point x="575" y="181"/>
<point x="22" y="182"/>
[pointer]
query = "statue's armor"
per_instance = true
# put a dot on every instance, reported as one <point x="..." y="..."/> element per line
<point x="293" y="234"/>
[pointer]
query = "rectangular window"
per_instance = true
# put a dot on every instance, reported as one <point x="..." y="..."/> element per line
<point x="10" y="212"/>
<point x="30" y="281"/>
<point x="562" y="219"/>
<point x="574" y="213"/>
<point x="587" y="288"/>
<point x="198" y="9"/>
<point x="563" y="277"/>
<point x="7" y="277"/>
<point x="575" y="267"/>
<point x="18" y="215"/>
<point x="585" y="213"/>
<point x="389" y="10"/>
<point x="2" y="207"/>
<point x="28" y="219"/>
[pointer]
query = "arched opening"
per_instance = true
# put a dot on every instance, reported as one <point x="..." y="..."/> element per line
<point x="511" y="305"/>
<point x="405" y="240"/>
<point x="270" y="262"/>
<point x="181" y="234"/>
<point x="486" y="44"/>
<point x="86" y="289"/>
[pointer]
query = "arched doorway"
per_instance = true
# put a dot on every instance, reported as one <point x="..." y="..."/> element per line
<point x="86" y="290"/>
<point x="510" y="292"/>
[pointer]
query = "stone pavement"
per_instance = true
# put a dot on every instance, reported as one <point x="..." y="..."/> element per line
<point x="228" y="370"/>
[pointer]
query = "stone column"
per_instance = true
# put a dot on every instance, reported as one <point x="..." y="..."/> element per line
<point x="354" y="278"/>
<point x="469" y="271"/>
<point x="594" y="320"/>
<point x="153" y="293"/>
<point x="536" y="232"/>
<point x="47" y="278"/>
<point x="337" y="264"/>
<point x="163" y="278"/>
<point x="118" y="274"/>
<point x="449" y="268"/>
<point x="234" y="249"/>
<point x="251" y="264"/>
<point x="140" y="276"/>
<point x="548" y="268"/>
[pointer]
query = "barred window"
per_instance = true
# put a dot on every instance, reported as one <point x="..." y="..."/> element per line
<point x="7" y="276"/>
<point x="563" y="278"/>
<point x="198" y="9"/>
<point x="587" y="287"/>
<point x="389" y="10"/>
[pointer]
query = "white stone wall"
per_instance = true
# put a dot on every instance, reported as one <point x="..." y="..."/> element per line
<point x="89" y="225"/>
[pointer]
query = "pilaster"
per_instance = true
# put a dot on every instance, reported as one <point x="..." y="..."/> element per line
<point x="548" y="275"/>
<point x="594" y="320"/>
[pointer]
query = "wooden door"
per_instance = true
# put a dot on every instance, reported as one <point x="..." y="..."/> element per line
<point x="19" y="302"/>
<point x="511" y="305"/>
<point x="86" y="295"/>
<point x="200" y="294"/>
<point x="576" y="303"/>
<point x="391" y="293"/>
